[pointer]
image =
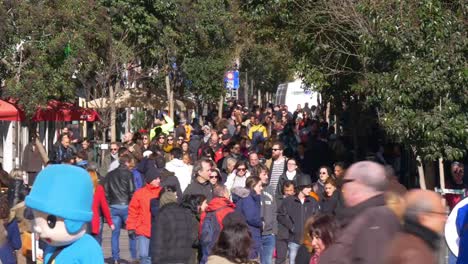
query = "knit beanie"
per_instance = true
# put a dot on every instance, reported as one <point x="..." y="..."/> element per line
<point x="152" y="174"/>
<point x="167" y="197"/>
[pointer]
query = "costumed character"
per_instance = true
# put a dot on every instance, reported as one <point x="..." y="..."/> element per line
<point x="456" y="231"/>
<point x="61" y="201"/>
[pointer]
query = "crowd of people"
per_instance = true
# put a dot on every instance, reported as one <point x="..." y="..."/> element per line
<point x="256" y="186"/>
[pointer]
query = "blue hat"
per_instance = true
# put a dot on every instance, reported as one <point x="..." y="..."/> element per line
<point x="63" y="190"/>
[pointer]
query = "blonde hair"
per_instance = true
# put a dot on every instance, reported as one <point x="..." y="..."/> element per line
<point x="17" y="174"/>
<point x="94" y="178"/>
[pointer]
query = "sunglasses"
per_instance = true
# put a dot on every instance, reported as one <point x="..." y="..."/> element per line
<point x="276" y="149"/>
<point x="180" y="139"/>
<point x="170" y="139"/>
<point x="241" y="169"/>
<point x="213" y="177"/>
<point x="145" y="138"/>
<point x="114" y="149"/>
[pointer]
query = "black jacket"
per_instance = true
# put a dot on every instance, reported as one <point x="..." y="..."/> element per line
<point x="119" y="186"/>
<point x="293" y="214"/>
<point x="329" y="205"/>
<point x="175" y="236"/>
<point x="268" y="212"/>
<point x="17" y="192"/>
<point x="283" y="178"/>
<point x="59" y="153"/>
<point x="200" y="188"/>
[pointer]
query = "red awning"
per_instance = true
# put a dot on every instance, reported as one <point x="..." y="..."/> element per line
<point x="9" y="112"/>
<point x="63" y="111"/>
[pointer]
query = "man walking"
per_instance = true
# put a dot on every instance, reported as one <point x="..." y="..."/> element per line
<point x="119" y="187"/>
<point x="419" y="240"/>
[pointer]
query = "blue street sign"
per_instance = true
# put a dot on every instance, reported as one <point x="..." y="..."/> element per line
<point x="231" y="80"/>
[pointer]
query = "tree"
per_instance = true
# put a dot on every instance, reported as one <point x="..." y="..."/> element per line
<point x="406" y="60"/>
<point x="46" y="45"/>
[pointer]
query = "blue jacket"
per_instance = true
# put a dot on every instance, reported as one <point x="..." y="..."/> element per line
<point x="7" y="254"/>
<point x="250" y="208"/>
<point x="84" y="250"/>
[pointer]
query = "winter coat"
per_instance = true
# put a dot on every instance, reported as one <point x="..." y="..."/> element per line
<point x="59" y="153"/>
<point x="181" y="171"/>
<point x="415" y="244"/>
<point x="234" y="181"/>
<point x="7" y="251"/>
<point x="32" y="161"/>
<point x="139" y="214"/>
<point x="119" y="186"/>
<point x="17" y="192"/>
<point x="282" y="179"/>
<point x="222" y="206"/>
<point x="100" y="207"/>
<point x="200" y="188"/>
<point x="269" y="209"/>
<point x="175" y="235"/>
<point x="250" y="208"/>
<point x="293" y="214"/>
<point x="372" y="224"/>
<point x="328" y="205"/>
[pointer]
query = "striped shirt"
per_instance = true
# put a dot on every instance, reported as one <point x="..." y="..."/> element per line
<point x="277" y="169"/>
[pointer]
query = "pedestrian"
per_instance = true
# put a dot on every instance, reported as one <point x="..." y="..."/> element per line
<point x="175" y="235"/>
<point x="324" y="173"/>
<point x="283" y="232"/>
<point x="201" y="182"/>
<point x="277" y="164"/>
<point x="100" y="208"/>
<point x="366" y="219"/>
<point x="321" y="233"/>
<point x="215" y="177"/>
<point x="330" y="200"/>
<point x="211" y="221"/>
<point x="268" y="214"/>
<point x="10" y="239"/>
<point x="233" y="246"/>
<point x="250" y="208"/>
<point x="179" y="168"/>
<point x="239" y="176"/>
<point x="419" y="241"/>
<point x="339" y="169"/>
<point x="119" y="187"/>
<point x="292" y="173"/>
<point x="294" y="212"/>
<point x="18" y="189"/>
<point x="139" y="215"/>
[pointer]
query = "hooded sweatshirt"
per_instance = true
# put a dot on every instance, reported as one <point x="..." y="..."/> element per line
<point x="181" y="171"/>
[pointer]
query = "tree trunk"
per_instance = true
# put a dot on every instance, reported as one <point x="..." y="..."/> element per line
<point x="246" y="91"/>
<point x="113" y="114"/>
<point x="42" y="151"/>
<point x="170" y="96"/>
<point x="220" y="106"/>
<point x="422" y="179"/>
<point x="441" y="173"/>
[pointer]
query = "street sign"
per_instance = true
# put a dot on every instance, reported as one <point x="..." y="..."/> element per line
<point x="231" y="80"/>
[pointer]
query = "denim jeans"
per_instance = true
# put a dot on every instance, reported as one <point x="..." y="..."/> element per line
<point x="119" y="214"/>
<point x="268" y="246"/>
<point x="143" y="249"/>
<point x="293" y="248"/>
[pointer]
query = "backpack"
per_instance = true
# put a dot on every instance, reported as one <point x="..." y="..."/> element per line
<point x="209" y="234"/>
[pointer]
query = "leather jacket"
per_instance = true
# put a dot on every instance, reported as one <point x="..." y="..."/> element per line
<point x="119" y="186"/>
<point x="17" y="192"/>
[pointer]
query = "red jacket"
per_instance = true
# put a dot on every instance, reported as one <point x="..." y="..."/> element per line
<point x="100" y="205"/>
<point x="224" y="207"/>
<point x="139" y="214"/>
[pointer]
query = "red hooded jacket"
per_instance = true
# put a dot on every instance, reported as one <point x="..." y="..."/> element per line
<point x="139" y="214"/>
<point x="223" y="206"/>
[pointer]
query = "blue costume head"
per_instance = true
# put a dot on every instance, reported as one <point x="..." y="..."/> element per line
<point x="63" y="192"/>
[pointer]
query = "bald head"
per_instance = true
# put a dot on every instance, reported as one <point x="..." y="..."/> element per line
<point x="370" y="174"/>
<point x="364" y="180"/>
<point x="426" y="208"/>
